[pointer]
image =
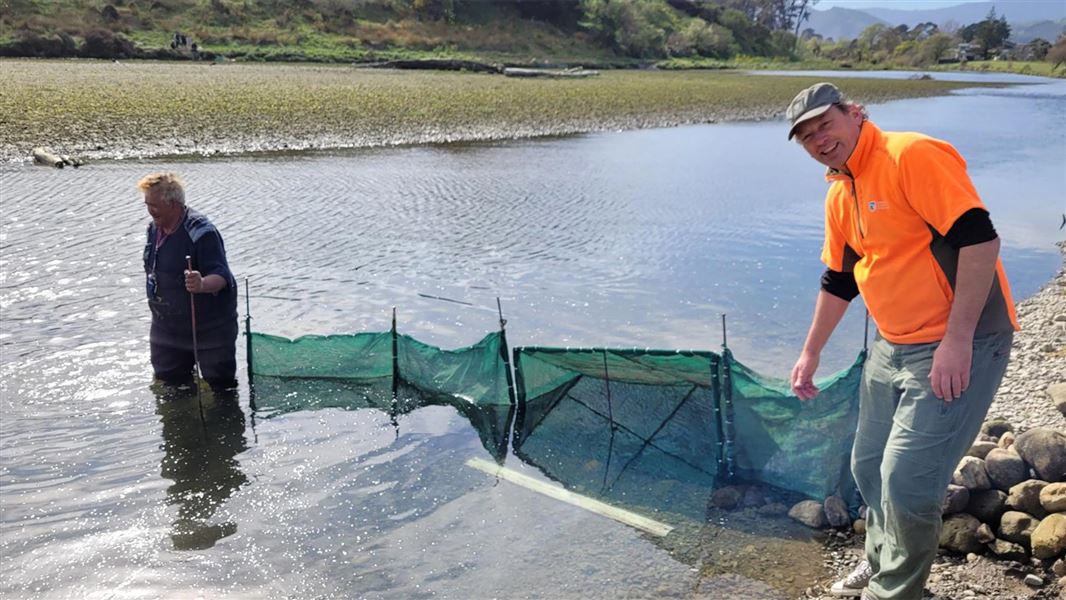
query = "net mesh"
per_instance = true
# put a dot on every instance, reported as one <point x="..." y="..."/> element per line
<point x="615" y="423"/>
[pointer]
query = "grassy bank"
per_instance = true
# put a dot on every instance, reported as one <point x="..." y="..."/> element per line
<point x="108" y="109"/>
<point x="1040" y="68"/>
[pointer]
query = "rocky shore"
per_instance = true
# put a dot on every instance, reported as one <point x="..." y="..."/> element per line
<point x="1032" y="397"/>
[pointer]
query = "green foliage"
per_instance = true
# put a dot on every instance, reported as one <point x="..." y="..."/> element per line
<point x="1039" y="48"/>
<point x="637" y="28"/>
<point x="989" y="35"/>
<point x="1056" y="55"/>
<point x="751" y="37"/>
<point x="700" y="38"/>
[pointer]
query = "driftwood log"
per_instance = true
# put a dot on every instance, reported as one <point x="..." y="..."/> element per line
<point x="44" y="156"/>
<point x="574" y="72"/>
<point x="439" y="65"/>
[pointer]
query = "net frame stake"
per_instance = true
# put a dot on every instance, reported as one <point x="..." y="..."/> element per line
<point x="725" y="410"/>
<point x="248" y="344"/>
<point x="395" y="377"/>
<point x="505" y="354"/>
<point x="610" y="419"/>
<point x="866" y="332"/>
<point x="395" y="357"/>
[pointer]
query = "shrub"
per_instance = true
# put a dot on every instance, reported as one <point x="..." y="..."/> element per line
<point x="101" y="43"/>
<point x="29" y="43"/>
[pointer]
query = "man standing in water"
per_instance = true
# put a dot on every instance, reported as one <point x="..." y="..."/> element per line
<point x="905" y="228"/>
<point x="177" y="232"/>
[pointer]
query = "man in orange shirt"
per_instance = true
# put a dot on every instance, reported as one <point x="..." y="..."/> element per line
<point x="905" y="228"/>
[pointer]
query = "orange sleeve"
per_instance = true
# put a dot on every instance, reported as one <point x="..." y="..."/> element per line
<point x="934" y="181"/>
<point x="834" y="244"/>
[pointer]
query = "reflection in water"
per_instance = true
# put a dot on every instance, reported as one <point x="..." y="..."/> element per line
<point x="280" y="395"/>
<point x="201" y="460"/>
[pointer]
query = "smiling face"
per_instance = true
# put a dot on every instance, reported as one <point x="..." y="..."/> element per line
<point x="831" y="137"/>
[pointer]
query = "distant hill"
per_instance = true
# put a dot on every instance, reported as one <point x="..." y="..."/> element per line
<point x="838" y="22"/>
<point x="1027" y="32"/>
<point x="1016" y="11"/>
<point x="841" y="22"/>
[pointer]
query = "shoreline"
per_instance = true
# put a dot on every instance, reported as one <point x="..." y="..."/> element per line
<point x="1038" y="358"/>
<point x="141" y="109"/>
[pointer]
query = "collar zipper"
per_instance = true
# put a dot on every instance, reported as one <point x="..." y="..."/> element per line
<point x="855" y="202"/>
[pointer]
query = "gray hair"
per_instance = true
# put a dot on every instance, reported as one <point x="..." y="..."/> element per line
<point x="169" y="185"/>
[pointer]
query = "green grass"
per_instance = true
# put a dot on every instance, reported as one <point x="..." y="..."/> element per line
<point x="1040" y="68"/>
<point x="102" y="108"/>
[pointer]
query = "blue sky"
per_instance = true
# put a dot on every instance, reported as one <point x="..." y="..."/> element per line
<point x="900" y="4"/>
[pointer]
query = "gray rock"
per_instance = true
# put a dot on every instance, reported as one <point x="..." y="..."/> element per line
<point x="1005" y="469"/>
<point x="1008" y="550"/>
<point x="1033" y="580"/>
<point x="956" y="499"/>
<point x="836" y="512"/>
<point x="959" y="534"/>
<point x="971" y="474"/>
<point x="773" y="509"/>
<point x="1049" y="538"/>
<point x="1057" y="391"/>
<point x="1017" y="526"/>
<point x="1059" y="568"/>
<point x="859" y="526"/>
<point x="987" y="505"/>
<point x="985" y="535"/>
<point x="996" y="427"/>
<point x="753" y="498"/>
<point x="810" y="513"/>
<point x="1053" y="497"/>
<point x="1006" y="440"/>
<point x="981" y="449"/>
<point x="1045" y="450"/>
<point x="727" y="498"/>
<point x="1025" y="497"/>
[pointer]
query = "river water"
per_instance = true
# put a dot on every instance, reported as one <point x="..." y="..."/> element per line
<point x="111" y="488"/>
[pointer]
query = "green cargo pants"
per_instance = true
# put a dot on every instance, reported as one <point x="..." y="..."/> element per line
<point x="907" y="446"/>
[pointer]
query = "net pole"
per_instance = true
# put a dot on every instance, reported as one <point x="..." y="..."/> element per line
<point x="866" y="332"/>
<point x="610" y="419"/>
<point x="395" y="357"/>
<point x="725" y="400"/>
<point x="248" y="344"/>
<point x="505" y="354"/>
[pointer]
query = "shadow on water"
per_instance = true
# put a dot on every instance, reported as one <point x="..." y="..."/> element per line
<point x="200" y="458"/>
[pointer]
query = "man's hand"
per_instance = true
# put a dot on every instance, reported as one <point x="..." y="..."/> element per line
<point x="194" y="282"/>
<point x="950" y="375"/>
<point x="803" y="376"/>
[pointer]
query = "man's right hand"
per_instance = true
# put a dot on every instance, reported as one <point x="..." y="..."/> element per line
<point x="803" y="376"/>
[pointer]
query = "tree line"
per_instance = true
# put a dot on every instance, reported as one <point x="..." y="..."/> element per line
<point x="928" y="43"/>
<point x="634" y="29"/>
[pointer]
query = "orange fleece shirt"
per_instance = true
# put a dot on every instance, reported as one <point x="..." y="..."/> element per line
<point x="886" y="223"/>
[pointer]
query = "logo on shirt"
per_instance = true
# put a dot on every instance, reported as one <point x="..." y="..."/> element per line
<point x="875" y="205"/>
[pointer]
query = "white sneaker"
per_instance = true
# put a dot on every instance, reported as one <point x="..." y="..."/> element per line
<point x="853" y="585"/>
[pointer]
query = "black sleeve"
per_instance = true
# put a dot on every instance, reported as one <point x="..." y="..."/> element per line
<point x="841" y="285"/>
<point x="973" y="227"/>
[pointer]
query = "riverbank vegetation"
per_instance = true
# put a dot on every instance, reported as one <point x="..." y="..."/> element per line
<point x="598" y="33"/>
<point x="137" y="108"/>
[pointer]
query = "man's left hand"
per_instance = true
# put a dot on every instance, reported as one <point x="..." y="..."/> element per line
<point x="950" y="375"/>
